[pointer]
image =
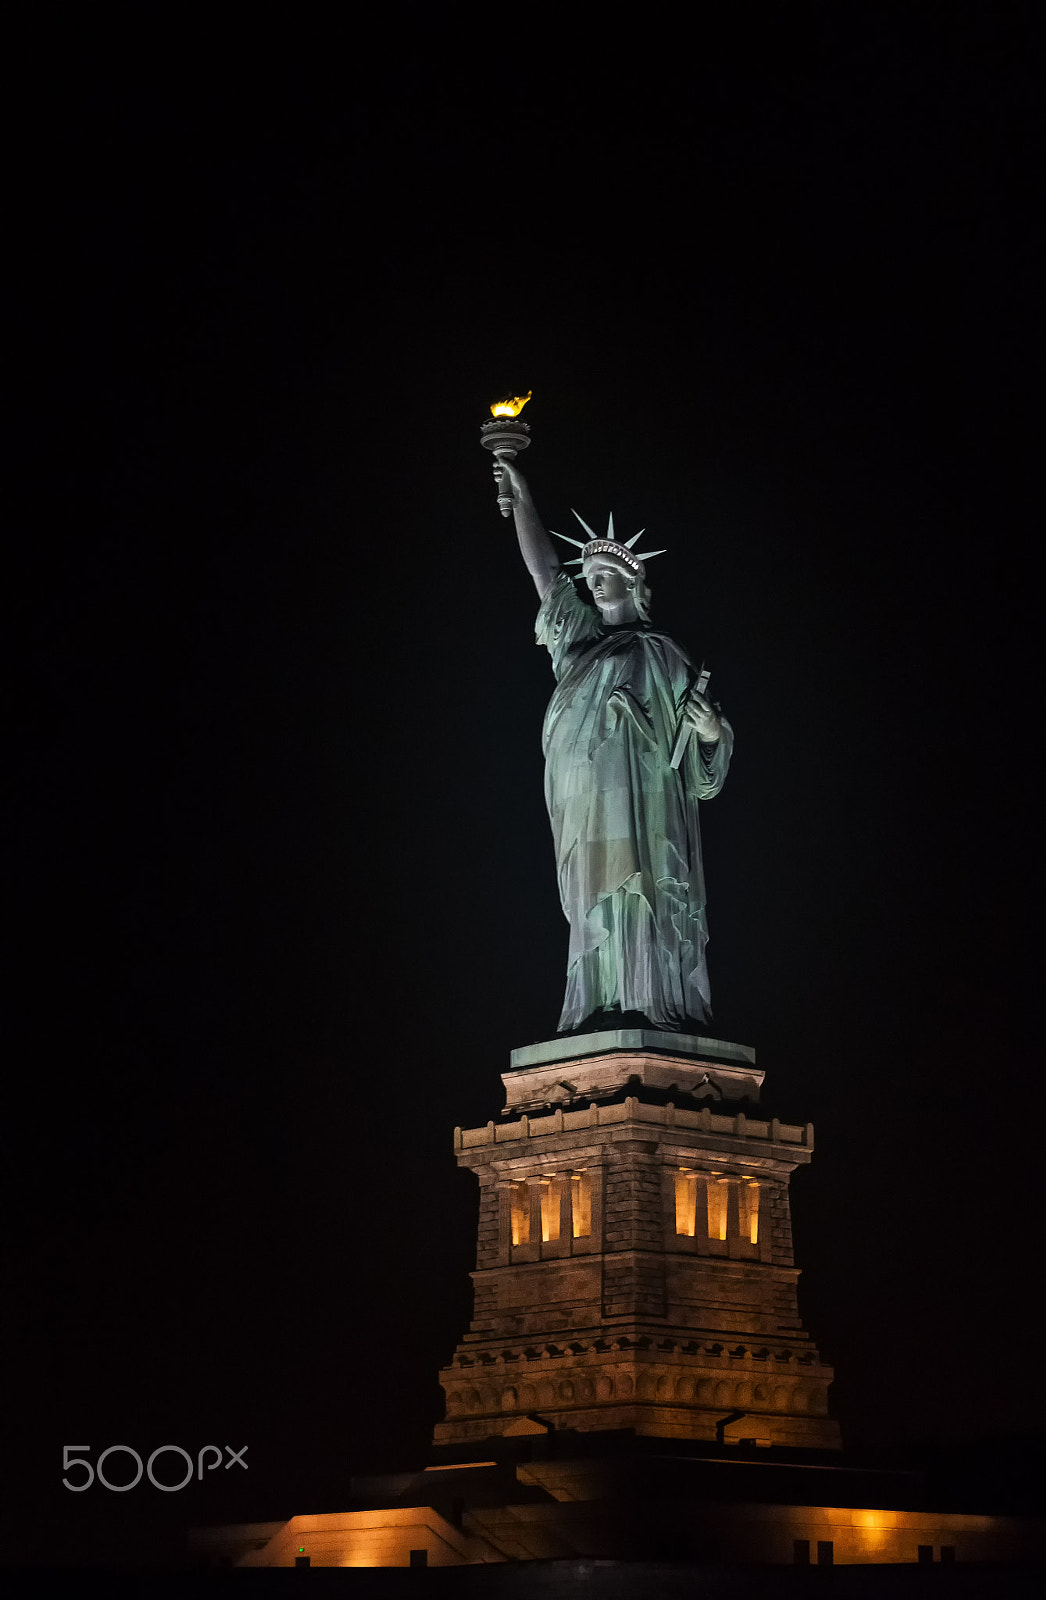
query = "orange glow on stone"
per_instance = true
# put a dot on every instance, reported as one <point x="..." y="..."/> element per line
<point x="520" y="1214"/>
<point x="581" y="1204"/>
<point x="717" y="1207"/>
<point x="686" y="1203"/>
<point x="549" y="1210"/>
<point x="750" y="1212"/>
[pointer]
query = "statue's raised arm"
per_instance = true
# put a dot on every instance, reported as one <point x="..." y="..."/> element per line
<point x="535" y="545"/>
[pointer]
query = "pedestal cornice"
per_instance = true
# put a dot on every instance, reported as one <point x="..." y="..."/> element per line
<point x="595" y="1065"/>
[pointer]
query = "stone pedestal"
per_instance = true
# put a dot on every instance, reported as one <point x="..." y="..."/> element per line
<point x="634" y="1265"/>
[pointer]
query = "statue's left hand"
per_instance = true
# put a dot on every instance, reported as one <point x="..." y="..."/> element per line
<point x="703" y="718"/>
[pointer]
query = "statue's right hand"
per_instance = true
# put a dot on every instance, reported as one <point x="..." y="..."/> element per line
<point x="509" y="478"/>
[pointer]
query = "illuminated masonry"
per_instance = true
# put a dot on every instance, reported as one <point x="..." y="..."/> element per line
<point x="634" y="1265"/>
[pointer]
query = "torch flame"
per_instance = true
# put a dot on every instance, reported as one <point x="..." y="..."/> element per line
<point x="511" y="407"/>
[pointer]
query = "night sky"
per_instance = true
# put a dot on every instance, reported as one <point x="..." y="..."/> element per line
<point x="282" y="893"/>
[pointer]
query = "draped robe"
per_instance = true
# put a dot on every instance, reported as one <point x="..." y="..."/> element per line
<point x="624" y="822"/>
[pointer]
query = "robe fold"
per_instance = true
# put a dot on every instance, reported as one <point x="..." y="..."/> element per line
<point x="624" y="822"/>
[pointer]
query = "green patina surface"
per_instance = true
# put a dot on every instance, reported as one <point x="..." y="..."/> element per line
<point x="624" y="821"/>
<point x="592" y="1044"/>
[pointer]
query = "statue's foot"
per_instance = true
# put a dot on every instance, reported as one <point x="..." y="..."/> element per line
<point x="610" y="1021"/>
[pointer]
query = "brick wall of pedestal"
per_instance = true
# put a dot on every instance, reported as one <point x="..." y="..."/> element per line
<point x="488" y="1235"/>
<point x="781" y="1226"/>
<point x="634" y="1325"/>
<point x="634" y="1258"/>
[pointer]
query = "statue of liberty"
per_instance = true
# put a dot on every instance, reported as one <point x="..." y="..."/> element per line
<point x="624" y="818"/>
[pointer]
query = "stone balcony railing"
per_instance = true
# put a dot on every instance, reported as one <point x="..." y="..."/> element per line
<point x="738" y="1126"/>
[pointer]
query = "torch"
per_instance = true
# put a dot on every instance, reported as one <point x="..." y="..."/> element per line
<point x="506" y="437"/>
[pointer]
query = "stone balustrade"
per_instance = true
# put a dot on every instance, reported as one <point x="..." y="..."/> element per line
<point x="631" y="1109"/>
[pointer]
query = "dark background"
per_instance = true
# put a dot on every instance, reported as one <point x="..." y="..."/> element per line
<point x="283" y="894"/>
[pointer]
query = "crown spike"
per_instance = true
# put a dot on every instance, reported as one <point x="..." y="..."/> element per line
<point x="646" y="555"/>
<point x="585" y="525"/>
<point x="610" y="527"/>
<point x="630" y="542"/>
<point x="577" y="543"/>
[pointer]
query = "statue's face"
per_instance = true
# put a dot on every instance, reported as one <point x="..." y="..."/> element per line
<point x="608" y="586"/>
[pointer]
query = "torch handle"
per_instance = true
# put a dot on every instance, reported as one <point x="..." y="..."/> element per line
<point x="505" y="500"/>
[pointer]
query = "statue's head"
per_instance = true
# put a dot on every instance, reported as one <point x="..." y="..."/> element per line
<point x="612" y="579"/>
<point x="620" y="569"/>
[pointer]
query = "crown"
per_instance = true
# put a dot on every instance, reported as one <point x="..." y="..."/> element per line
<point x="618" y="552"/>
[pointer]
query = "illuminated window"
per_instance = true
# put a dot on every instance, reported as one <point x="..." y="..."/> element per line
<point x="749" y="1198"/>
<point x="549" y="1209"/>
<point x="520" y="1213"/>
<point x="581" y="1204"/>
<point x="718" y="1189"/>
<point x="686" y="1202"/>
